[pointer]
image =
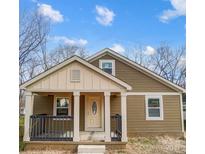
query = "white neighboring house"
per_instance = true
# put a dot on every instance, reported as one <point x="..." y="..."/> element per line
<point x="22" y="110"/>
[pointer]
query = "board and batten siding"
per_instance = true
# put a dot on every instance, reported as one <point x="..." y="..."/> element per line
<point x="138" y="80"/>
<point x="61" y="80"/>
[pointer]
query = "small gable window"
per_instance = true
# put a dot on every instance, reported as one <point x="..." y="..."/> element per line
<point x="107" y="66"/>
<point x="154" y="108"/>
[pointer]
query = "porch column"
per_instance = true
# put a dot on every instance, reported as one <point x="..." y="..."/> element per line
<point x="76" y="136"/>
<point x="28" y="112"/>
<point x="124" y="116"/>
<point x="107" y="116"/>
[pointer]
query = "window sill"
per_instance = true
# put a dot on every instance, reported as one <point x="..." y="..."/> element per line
<point x="62" y="119"/>
<point x="154" y="118"/>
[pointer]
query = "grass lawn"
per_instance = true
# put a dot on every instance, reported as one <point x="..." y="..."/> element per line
<point x="21" y="131"/>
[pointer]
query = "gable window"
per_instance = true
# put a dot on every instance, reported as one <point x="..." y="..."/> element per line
<point x="108" y="66"/>
<point x="75" y="75"/>
<point x="62" y="106"/>
<point x="154" y="108"/>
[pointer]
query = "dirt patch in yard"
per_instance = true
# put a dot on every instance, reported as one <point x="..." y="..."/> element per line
<point x="153" y="145"/>
<point x="140" y="145"/>
<point x="45" y="152"/>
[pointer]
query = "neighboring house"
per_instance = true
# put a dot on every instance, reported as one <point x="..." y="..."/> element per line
<point x="105" y="98"/>
<point x="184" y="104"/>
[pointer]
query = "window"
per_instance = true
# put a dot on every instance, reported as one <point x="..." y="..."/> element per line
<point x="62" y="106"/>
<point x="154" y="108"/>
<point x="75" y="75"/>
<point x="108" y="66"/>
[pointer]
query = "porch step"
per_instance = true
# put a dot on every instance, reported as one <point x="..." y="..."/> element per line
<point x="91" y="149"/>
<point x="92" y="136"/>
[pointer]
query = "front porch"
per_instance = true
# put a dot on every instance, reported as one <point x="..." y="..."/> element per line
<point x="90" y="117"/>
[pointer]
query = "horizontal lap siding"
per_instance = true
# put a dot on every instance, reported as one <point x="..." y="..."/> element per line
<point x="82" y="113"/>
<point x="114" y="105"/>
<point x="139" y="81"/>
<point x="43" y="105"/>
<point x="114" y="108"/>
<point x="136" y="116"/>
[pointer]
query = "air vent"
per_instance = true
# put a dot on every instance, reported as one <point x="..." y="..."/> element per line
<point x="75" y="75"/>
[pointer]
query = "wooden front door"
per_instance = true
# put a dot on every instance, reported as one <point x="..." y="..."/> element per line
<point x="93" y="113"/>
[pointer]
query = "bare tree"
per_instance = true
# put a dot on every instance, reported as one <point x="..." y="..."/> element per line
<point x="32" y="35"/>
<point x="63" y="52"/>
<point x="33" y="32"/>
<point x="170" y="64"/>
<point x="166" y="62"/>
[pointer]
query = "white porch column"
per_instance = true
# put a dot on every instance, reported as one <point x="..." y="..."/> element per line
<point x="107" y="117"/>
<point x="124" y="116"/>
<point x="28" y="112"/>
<point x="76" y="136"/>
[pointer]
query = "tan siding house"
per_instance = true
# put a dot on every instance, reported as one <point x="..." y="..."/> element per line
<point x="105" y="98"/>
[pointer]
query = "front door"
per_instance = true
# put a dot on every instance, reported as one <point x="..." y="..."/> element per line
<point x="93" y="114"/>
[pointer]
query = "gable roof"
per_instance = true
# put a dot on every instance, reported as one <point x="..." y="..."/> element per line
<point x="136" y="66"/>
<point x="68" y="61"/>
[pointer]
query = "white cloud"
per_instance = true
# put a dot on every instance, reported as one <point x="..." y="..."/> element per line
<point x="179" y="9"/>
<point x="118" y="48"/>
<point x="149" y="51"/>
<point x="68" y="41"/>
<point x="48" y="12"/>
<point x="104" y="16"/>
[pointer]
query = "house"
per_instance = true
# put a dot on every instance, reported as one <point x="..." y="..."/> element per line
<point x="105" y="98"/>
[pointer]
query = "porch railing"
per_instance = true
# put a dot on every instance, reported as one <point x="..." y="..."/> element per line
<point x="51" y="128"/>
<point x="116" y="128"/>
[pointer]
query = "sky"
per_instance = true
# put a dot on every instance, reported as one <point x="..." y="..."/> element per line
<point x="116" y="24"/>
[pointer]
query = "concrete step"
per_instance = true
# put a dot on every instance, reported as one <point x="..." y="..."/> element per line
<point x="91" y="149"/>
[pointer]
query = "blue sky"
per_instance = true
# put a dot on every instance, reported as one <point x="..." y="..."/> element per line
<point x="118" y="24"/>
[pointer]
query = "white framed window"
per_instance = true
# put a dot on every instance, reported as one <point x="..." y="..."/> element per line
<point x="107" y="66"/>
<point x="62" y="106"/>
<point x="75" y="75"/>
<point x="154" y="107"/>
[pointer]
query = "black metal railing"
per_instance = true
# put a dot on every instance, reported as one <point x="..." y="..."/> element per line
<point x="116" y="128"/>
<point x="51" y="128"/>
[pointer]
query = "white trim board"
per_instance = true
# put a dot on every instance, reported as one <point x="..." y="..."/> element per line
<point x="76" y="58"/>
<point x="72" y="90"/>
<point x="136" y="66"/>
<point x="152" y="93"/>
